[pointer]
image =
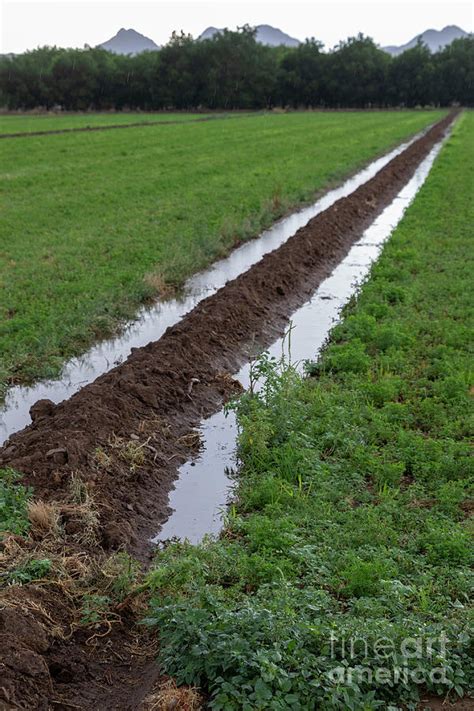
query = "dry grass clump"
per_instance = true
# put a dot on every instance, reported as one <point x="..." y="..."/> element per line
<point x="102" y="459"/>
<point x="13" y="549"/>
<point x="170" y="697"/>
<point x="156" y="281"/>
<point x="76" y="567"/>
<point x="229" y="384"/>
<point x="191" y="440"/>
<point x="83" y="523"/>
<point x="131" y="451"/>
<point x="82" y="515"/>
<point x="44" y="518"/>
<point x="156" y="426"/>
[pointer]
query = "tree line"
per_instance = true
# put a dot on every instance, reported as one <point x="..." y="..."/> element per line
<point x="233" y="71"/>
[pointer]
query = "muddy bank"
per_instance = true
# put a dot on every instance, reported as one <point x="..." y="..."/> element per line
<point x="124" y="435"/>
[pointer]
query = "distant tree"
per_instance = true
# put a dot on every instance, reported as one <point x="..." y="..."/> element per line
<point x="412" y="78"/>
<point x="25" y="79"/>
<point x="302" y="75"/>
<point x="240" y="73"/>
<point x="102" y="91"/>
<point x="75" y="80"/>
<point x="356" y="74"/>
<point x="176" y="84"/>
<point x="138" y="85"/>
<point x="454" y="69"/>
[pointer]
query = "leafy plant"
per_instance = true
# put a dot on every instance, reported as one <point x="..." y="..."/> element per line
<point x="31" y="570"/>
<point x="94" y="609"/>
<point x="14" y="499"/>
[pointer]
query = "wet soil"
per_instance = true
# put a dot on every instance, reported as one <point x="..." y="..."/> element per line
<point x="126" y="434"/>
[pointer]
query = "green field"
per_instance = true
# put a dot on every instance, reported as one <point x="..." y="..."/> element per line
<point x="93" y="224"/>
<point x="352" y="517"/>
<point x="17" y="123"/>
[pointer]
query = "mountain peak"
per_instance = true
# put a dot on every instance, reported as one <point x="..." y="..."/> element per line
<point x="129" y="41"/>
<point x="435" y="40"/>
<point x="266" y="34"/>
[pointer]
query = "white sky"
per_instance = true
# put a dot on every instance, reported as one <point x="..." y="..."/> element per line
<point x="26" y="24"/>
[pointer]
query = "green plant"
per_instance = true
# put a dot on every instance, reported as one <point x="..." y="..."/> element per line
<point x="361" y="578"/>
<point x="121" y="571"/>
<point x="94" y="609"/>
<point x="14" y="499"/>
<point x="33" y="569"/>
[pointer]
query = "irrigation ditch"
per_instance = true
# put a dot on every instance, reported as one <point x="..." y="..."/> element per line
<point x="134" y="124"/>
<point x="123" y="438"/>
<point x="152" y="322"/>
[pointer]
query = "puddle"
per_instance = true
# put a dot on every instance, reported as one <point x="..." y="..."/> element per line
<point x="151" y="323"/>
<point x="204" y="485"/>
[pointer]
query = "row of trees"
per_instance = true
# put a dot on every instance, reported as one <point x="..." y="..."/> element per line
<point x="233" y="71"/>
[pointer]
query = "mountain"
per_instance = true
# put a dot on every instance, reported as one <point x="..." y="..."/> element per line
<point x="434" y="39"/>
<point x="132" y="42"/>
<point x="128" y="42"/>
<point x="266" y="34"/>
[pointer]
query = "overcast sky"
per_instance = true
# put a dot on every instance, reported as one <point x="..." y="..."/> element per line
<point x="26" y="24"/>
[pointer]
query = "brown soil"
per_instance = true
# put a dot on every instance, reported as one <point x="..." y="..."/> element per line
<point x="123" y="437"/>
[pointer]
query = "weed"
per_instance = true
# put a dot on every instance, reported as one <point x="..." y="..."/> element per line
<point x="31" y="570"/>
<point x="95" y="609"/>
<point x="102" y="459"/>
<point x="79" y="490"/>
<point x="14" y="498"/>
<point x="82" y="512"/>
<point x="130" y="451"/>
<point x="158" y="285"/>
<point x="120" y="572"/>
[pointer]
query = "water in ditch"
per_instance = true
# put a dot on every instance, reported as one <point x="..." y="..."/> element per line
<point x="153" y="322"/>
<point x="204" y="485"/>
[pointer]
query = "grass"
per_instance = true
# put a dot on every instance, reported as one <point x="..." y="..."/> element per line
<point x="14" y="498"/>
<point x="24" y="123"/>
<point x="95" y="224"/>
<point x="343" y="576"/>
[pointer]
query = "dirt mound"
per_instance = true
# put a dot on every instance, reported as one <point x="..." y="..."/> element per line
<point x="122" y="437"/>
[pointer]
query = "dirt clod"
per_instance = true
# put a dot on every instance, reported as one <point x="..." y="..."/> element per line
<point x="41" y="408"/>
